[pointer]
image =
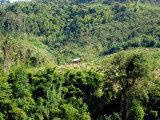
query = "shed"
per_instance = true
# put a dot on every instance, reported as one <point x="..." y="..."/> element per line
<point x="77" y="60"/>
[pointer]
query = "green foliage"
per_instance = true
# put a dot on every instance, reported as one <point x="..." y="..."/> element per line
<point x="40" y="33"/>
<point x="5" y="97"/>
<point x="129" y="80"/>
<point x="64" y="31"/>
<point x="48" y="94"/>
<point x="71" y="113"/>
<point x="57" y="93"/>
<point x="20" y="83"/>
<point x="136" y="111"/>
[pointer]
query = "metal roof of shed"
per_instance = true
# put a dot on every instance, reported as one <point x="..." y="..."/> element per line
<point x="77" y="59"/>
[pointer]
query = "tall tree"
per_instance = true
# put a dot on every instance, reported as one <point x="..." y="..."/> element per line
<point x="9" y="19"/>
<point x="129" y="72"/>
<point x="7" y="48"/>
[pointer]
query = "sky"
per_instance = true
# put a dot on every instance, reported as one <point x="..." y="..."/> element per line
<point x="12" y="1"/>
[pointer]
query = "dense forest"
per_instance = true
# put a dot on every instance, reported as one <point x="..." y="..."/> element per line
<point x="118" y="41"/>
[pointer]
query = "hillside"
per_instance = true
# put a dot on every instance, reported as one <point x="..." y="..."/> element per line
<point x="118" y="41"/>
<point x="83" y="30"/>
<point x="87" y="91"/>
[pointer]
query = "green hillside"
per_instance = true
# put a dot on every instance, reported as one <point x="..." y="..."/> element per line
<point x="124" y="85"/>
<point x="118" y="41"/>
<point x="81" y="30"/>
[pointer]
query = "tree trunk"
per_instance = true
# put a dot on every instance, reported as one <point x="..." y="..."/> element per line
<point x="8" y="26"/>
<point x="12" y="26"/>
<point x="4" y="55"/>
<point x="136" y="3"/>
<point x="24" y="27"/>
<point x="126" y="105"/>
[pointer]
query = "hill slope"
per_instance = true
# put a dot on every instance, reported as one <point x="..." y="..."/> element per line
<point x="118" y="41"/>
<point x="82" y="30"/>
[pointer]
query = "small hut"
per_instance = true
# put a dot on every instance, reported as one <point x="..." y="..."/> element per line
<point x="77" y="60"/>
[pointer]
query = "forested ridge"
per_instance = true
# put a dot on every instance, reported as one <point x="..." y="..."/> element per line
<point x="118" y="41"/>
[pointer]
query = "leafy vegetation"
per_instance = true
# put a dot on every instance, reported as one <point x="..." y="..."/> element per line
<point x="123" y="91"/>
<point x="118" y="41"/>
<point x="78" y="30"/>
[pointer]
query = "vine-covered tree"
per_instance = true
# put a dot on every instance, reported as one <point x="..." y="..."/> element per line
<point x="129" y="75"/>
